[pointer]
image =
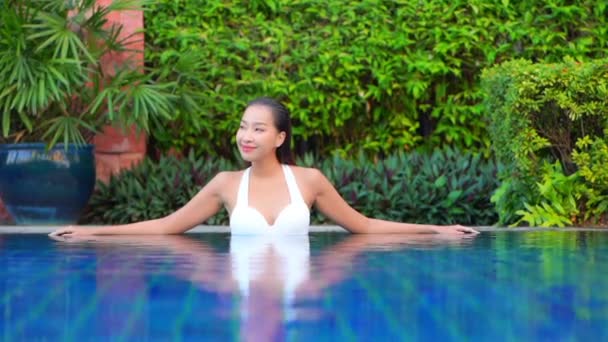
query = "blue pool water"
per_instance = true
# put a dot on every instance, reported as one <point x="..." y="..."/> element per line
<point x="497" y="286"/>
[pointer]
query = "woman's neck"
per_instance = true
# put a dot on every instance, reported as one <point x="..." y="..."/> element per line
<point x="266" y="168"/>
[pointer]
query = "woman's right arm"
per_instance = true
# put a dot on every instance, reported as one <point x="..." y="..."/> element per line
<point x="206" y="203"/>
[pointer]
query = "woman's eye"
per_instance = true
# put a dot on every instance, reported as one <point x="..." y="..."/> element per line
<point x="259" y="130"/>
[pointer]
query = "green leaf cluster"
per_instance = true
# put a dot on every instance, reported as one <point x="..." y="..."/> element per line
<point x="591" y="157"/>
<point x="373" y="75"/>
<point x="559" y="199"/>
<point x="153" y="189"/>
<point x="53" y="83"/>
<point x="444" y="187"/>
<point x="542" y="114"/>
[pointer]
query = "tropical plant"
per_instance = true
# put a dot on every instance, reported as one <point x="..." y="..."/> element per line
<point x="153" y="189"/>
<point x="53" y="85"/>
<point x="444" y="187"/>
<point x="560" y="196"/>
<point x="548" y="123"/>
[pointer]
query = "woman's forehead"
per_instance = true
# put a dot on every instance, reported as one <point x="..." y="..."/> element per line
<point x="258" y="114"/>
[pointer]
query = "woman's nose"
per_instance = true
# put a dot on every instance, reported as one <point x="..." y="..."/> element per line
<point x="247" y="136"/>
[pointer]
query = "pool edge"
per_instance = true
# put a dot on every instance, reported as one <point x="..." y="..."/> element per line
<point x="313" y="229"/>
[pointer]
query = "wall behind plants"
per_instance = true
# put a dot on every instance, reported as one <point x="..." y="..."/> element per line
<point x="377" y="76"/>
<point x="549" y="123"/>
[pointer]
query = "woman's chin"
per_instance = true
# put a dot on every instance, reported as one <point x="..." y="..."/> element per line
<point x="247" y="157"/>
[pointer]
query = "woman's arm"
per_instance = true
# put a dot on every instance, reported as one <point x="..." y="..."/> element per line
<point x="331" y="204"/>
<point x="205" y="204"/>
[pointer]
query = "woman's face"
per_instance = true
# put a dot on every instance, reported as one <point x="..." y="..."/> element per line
<point x="257" y="136"/>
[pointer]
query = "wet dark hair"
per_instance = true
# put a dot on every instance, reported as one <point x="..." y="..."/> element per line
<point x="282" y="122"/>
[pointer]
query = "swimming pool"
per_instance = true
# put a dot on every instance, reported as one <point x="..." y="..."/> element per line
<point x="497" y="286"/>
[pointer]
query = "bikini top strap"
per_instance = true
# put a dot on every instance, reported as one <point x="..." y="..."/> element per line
<point x="292" y="185"/>
<point x="243" y="194"/>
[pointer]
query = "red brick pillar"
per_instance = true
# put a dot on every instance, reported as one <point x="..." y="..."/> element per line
<point x="116" y="150"/>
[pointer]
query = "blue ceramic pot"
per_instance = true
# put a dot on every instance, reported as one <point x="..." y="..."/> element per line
<point x="40" y="187"/>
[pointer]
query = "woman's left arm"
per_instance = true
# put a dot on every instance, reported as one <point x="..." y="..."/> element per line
<point x="329" y="202"/>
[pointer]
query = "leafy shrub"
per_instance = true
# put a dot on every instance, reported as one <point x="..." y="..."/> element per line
<point x="380" y="76"/>
<point x="152" y="190"/>
<point x="559" y="199"/>
<point x="540" y="114"/>
<point x="443" y="187"/>
<point x="591" y="156"/>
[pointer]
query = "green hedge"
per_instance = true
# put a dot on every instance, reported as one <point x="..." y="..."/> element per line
<point x="444" y="187"/>
<point x="548" y="123"/>
<point x="153" y="189"/>
<point x="378" y="76"/>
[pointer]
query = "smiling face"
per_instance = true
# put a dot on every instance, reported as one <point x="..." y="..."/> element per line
<point x="257" y="136"/>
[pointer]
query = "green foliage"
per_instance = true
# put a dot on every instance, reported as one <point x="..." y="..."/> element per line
<point x="54" y="86"/>
<point x="540" y="114"/>
<point x="378" y="76"/>
<point x="444" y="187"/>
<point x="591" y="157"/>
<point x="152" y="190"/>
<point x="560" y="196"/>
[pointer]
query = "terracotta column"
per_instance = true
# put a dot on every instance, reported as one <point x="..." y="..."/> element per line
<point x="116" y="150"/>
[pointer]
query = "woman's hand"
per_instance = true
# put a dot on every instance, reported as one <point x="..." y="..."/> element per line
<point x="455" y="229"/>
<point x="72" y="231"/>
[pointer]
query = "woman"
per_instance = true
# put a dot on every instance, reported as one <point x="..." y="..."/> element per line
<point x="270" y="197"/>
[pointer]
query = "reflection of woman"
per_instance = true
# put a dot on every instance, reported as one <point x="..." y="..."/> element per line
<point x="271" y="273"/>
<point x="285" y="257"/>
<point x="272" y="196"/>
<point x="269" y="270"/>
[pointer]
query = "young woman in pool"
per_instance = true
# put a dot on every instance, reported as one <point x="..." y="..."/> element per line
<point x="272" y="196"/>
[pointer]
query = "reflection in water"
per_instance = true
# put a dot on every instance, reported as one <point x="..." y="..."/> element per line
<point x="268" y="270"/>
<point x="269" y="274"/>
<point x="496" y="286"/>
<point x="262" y="261"/>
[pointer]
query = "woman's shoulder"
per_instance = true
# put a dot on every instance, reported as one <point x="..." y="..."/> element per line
<point x="226" y="178"/>
<point x="230" y="174"/>
<point x="308" y="174"/>
<point x="225" y="183"/>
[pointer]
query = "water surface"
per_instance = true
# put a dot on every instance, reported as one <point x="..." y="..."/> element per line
<point x="497" y="286"/>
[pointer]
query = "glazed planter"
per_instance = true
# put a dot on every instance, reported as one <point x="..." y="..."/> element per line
<point x="42" y="187"/>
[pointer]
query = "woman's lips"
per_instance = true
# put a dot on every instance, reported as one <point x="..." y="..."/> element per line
<point x="247" y="148"/>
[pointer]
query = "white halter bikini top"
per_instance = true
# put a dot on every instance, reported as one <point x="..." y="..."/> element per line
<point x="293" y="219"/>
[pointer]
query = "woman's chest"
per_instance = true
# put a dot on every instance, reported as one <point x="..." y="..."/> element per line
<point x="267" y="197"/>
